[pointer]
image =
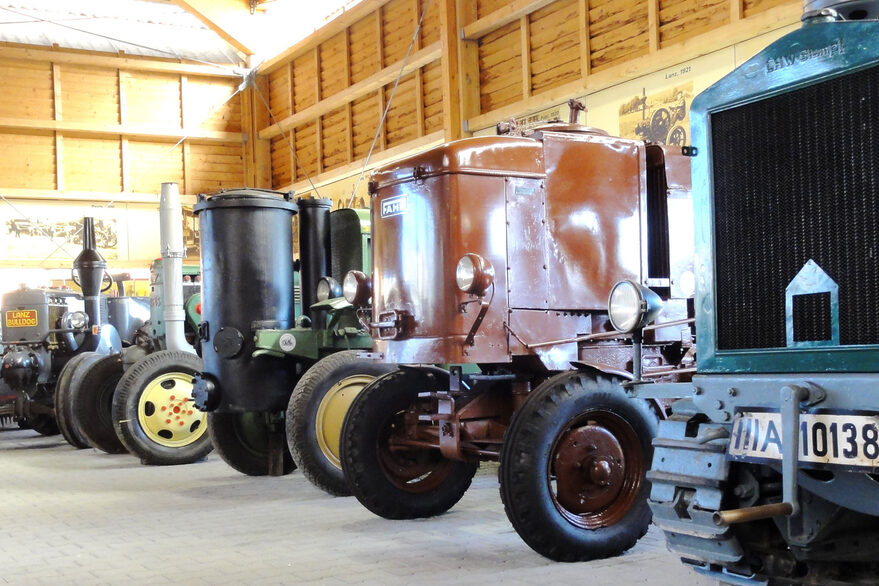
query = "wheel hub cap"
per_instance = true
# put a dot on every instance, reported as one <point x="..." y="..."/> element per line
<point x="166" y="412"/>
<point x="331" y="414"/>
<point x="590" y="467"/>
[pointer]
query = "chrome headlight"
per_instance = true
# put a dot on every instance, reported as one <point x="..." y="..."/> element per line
<point x="356" y="288"/>
<point x="328" y="288"/>
<point x="632" y="306"/>
<point x="474" y="274"/>
<point x="75" y="320"/>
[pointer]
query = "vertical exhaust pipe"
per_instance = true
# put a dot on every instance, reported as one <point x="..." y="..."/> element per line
<point x="89" y="267"/>
<point x="314" y="252"/>
<point x="173" y="252"/>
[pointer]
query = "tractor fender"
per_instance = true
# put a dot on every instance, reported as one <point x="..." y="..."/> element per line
<point x="660" y="407"/>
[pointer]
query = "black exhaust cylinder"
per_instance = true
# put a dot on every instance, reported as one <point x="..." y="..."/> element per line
<point x="247" y="284"/>
<point x="90" y="266"/>
<point x="314" y="253"/>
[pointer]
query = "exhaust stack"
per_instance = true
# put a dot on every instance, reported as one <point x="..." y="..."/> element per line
<point x="173" y="251"/>
<point x="314" y="253"/>
<point x="89" y="266"/>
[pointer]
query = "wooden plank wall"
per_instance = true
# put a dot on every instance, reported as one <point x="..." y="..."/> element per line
<point x="532" y="54"/>
<point x="329" y="93"/>
<point x="109" y="129"/>
<point x="511" y="57"/>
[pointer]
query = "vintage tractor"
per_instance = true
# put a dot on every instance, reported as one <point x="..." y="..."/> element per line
<point x="46" y="330"/>
<point x="255" y="344"/>
<point x="138" y="400"/>
<point x="496" y="255"/>
<point x="767" y="473"/>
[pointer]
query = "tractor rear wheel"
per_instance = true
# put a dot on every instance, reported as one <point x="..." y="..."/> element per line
<point x="316" y="411"/>
<point x="70" y="374"/>
<point x="93" y="403"/>
<point x="153" y="412"/>
<point x="390" y="477"/>
<point x="573" y="468"/>
<point x="246" y="442"/>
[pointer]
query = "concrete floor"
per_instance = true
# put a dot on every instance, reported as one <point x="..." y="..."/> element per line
<point x="84" y="517"/>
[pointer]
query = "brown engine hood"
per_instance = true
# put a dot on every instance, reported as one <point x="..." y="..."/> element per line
<point x="486" y="155"/>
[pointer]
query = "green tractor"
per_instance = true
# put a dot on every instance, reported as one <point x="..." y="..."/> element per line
<point x="139" y="400"/>
<point x="258" y="343"/>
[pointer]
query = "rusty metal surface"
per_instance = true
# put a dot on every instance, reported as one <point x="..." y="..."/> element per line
<point x="589" y="466"/>
<point x="594" y="189"/>
<point x="532" y="326"/>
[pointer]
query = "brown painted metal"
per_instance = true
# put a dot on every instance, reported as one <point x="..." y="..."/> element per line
<point x="559" y="215"/>
<point x="598" y="466"/>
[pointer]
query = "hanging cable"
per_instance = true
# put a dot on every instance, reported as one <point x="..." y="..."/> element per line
<point x="388" y="105"/>
<point x="286" y="138"/>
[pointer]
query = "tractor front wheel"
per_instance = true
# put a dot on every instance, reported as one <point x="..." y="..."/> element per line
<point x="317" y="409"/>
<point x="153" y="411"/>
<point x="249" y="442"/>
<point x="93" y="403"/>
<point x="67" y="423"/>
<point x="573" y="468"/>
<point x="388" y="474"/>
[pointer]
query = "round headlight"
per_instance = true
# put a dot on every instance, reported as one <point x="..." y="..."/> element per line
<point x="356" y="288"/>
<point x="328" y="288"/>
<point x="75" y="320"/>
<point x="631" y="306"/>
<point x="474" y="274"/>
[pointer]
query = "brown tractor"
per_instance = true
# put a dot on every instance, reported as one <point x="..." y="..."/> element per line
<point x="493" y="260"/>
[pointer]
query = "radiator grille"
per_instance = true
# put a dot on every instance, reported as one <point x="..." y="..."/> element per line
<point x="796" y="177"/>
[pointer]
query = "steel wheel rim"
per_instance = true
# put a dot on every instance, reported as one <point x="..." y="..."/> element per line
<point x="331" y="413"/>
<point x="594" y="504"/>
<point x="166" y="412"/>
<point x="409" y="468"/>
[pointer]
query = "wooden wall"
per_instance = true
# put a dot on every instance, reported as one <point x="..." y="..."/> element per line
<point x="84" y="126"/>
<point x="329" y="93"/>
<point x="475" y="62"/>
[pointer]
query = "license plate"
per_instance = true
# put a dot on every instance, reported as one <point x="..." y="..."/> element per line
<point x="835" y="439"/>
<point x="21" y="318"/>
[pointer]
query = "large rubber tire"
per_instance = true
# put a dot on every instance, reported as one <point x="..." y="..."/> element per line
<point x="317" y="410"/>
<point x="93" y="403"/>
<point x="416" y="483"/>
<point x="242" y="441"/>
<point x="573" y="468"/>
<point x="153" y="413"/>
<point x="67" y="423"/>
<point x="43" y="424"/>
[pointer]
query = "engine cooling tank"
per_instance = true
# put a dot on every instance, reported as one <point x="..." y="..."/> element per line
<point x="247" y="284"/>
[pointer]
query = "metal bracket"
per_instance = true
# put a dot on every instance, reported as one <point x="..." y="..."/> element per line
<point x="483" y="309"/>
<point x="449" y="438"/>
<point x="791" y="395"/>
<point x="689" y="151"/>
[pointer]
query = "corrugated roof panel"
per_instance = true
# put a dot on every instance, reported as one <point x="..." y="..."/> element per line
<point x="133" y="27"/>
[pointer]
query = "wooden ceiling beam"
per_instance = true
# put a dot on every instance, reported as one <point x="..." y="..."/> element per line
<point x="231" y="19"/>
<point x="18" y="52"/>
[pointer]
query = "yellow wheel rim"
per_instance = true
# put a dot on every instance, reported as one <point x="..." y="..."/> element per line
<point x="166" y="412"/>
<point x="331" y="414"/>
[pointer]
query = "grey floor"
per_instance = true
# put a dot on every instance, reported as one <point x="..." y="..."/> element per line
<point x="84" y="517"/>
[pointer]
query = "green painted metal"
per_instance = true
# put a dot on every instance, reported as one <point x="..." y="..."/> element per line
<point x="825" y="50"/>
